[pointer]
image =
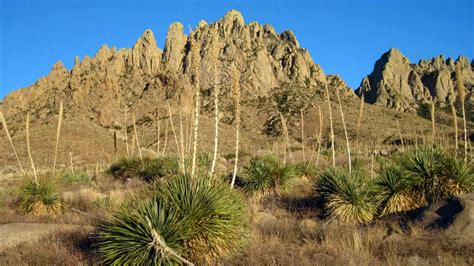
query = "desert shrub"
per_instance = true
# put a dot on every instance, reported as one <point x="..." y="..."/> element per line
<point x="422" y="170"/>
<point x="305" y="169"/>
<point x="418" y="177"/>
<point x="266" y="175"/>
<point x="71" y="177"/>
<point x="391" y="191"/>
<point x="40" y="199"/>
<point x="149" y="170"/>
<point x="348" y="198"/>
<point x="459" y="175"/>
<point x="200" y="219"/>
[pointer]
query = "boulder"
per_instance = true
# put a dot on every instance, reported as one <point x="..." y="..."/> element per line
<point x="454" y="214"/>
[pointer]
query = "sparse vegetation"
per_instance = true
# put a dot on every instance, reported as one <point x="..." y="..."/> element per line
<point x="197" y="219"/>
<point x="40" y="199"/>
<point x="346" y="197"/>
<point x="266" y="175"/>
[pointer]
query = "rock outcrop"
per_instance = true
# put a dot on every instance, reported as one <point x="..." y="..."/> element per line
<point x="141" y="77"/>
<point x="396" y="83"/>
<point x="455" y="214"/>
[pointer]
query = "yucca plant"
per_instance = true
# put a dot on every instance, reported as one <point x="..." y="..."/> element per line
<point x="347" y="198"/>
<point x="423" y="171"/>
<point x="459" y="175"/>
<point x="190" y="219"/>
<point x="40" y="199"/>
<point x="149" y="169"/>
<point x="266" y="175"/>
<point x="392" y="192"/>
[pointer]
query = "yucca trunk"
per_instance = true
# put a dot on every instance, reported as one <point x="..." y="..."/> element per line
<point x="4" y="123"/>
<point x="57" y="135"/>
<point x="29" y="149"/>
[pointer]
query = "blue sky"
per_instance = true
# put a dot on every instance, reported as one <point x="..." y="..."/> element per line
<point x="345" y="37"/>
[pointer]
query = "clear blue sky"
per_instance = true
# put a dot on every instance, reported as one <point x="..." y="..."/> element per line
<point x="343" y="36"/>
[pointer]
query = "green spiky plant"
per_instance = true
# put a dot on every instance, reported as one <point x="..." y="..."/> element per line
<point x="266" y="175"/>
<point x="423" y="172"/>
<point x="197" y="219"/>
<point x="347" y="198"/>
<point x="391" y="191"/>
<point x="149" y="169"/>
<point x="459" y="175"/>
<point x="40" y="199"/>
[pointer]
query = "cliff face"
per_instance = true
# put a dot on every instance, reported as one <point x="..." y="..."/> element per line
<point x="142" y="77"/>
<point x="396" y="83"/>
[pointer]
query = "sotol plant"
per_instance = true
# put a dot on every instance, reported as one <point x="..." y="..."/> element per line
<point x="347" y="198"/>
<point x="266" y="175"/>
<point x="190" y="219"/>
<point x="40" y="198"/>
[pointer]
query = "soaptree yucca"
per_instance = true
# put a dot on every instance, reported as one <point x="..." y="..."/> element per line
<point x="266" y="175"/>
<point x="347" y="198"/>
<point x="40" y="199"/>
<point x="391" y="191"/>
<point x="189" y="219"/>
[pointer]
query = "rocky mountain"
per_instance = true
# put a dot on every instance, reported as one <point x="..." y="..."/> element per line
<point x="142" y="78"/>
<point x="399" y="84"/>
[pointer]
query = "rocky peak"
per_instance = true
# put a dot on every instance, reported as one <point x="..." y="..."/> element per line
<point x="174" y="46"/>
<point x="145" y="54"/>
<point x="396" y="83"/>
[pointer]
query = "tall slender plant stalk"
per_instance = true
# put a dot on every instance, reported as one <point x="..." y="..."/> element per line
<point x="29" y="149"/>
<point x="165" y="144"/>
<point x="126" y="135"/>
<point x="175" y="138"/>
<point x="181" y="140"/>
<point x="115" y="145"/>
<point x="345" y="133"/>
<point x="4" y="123"/>
<point x="433" y="125"/>
<point x="236" y="90"/>
<point x="331" y="126"/>
<point x="302" y="135"/>
<point x="361" y="113"/>
<point x="158" y="134"/>
<point x="136" y="137"/>
<point x="319" y="139"/>
<point x="216" y="124"/>
<point x="70" y="161"/>
<point x="400" y="134"/>
<point x="60" y="118"/>
<point x="197" y="105"/>
<point x="462" y="95"/>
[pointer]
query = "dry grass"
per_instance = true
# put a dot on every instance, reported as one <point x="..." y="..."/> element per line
<point x="60" y="248"/>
